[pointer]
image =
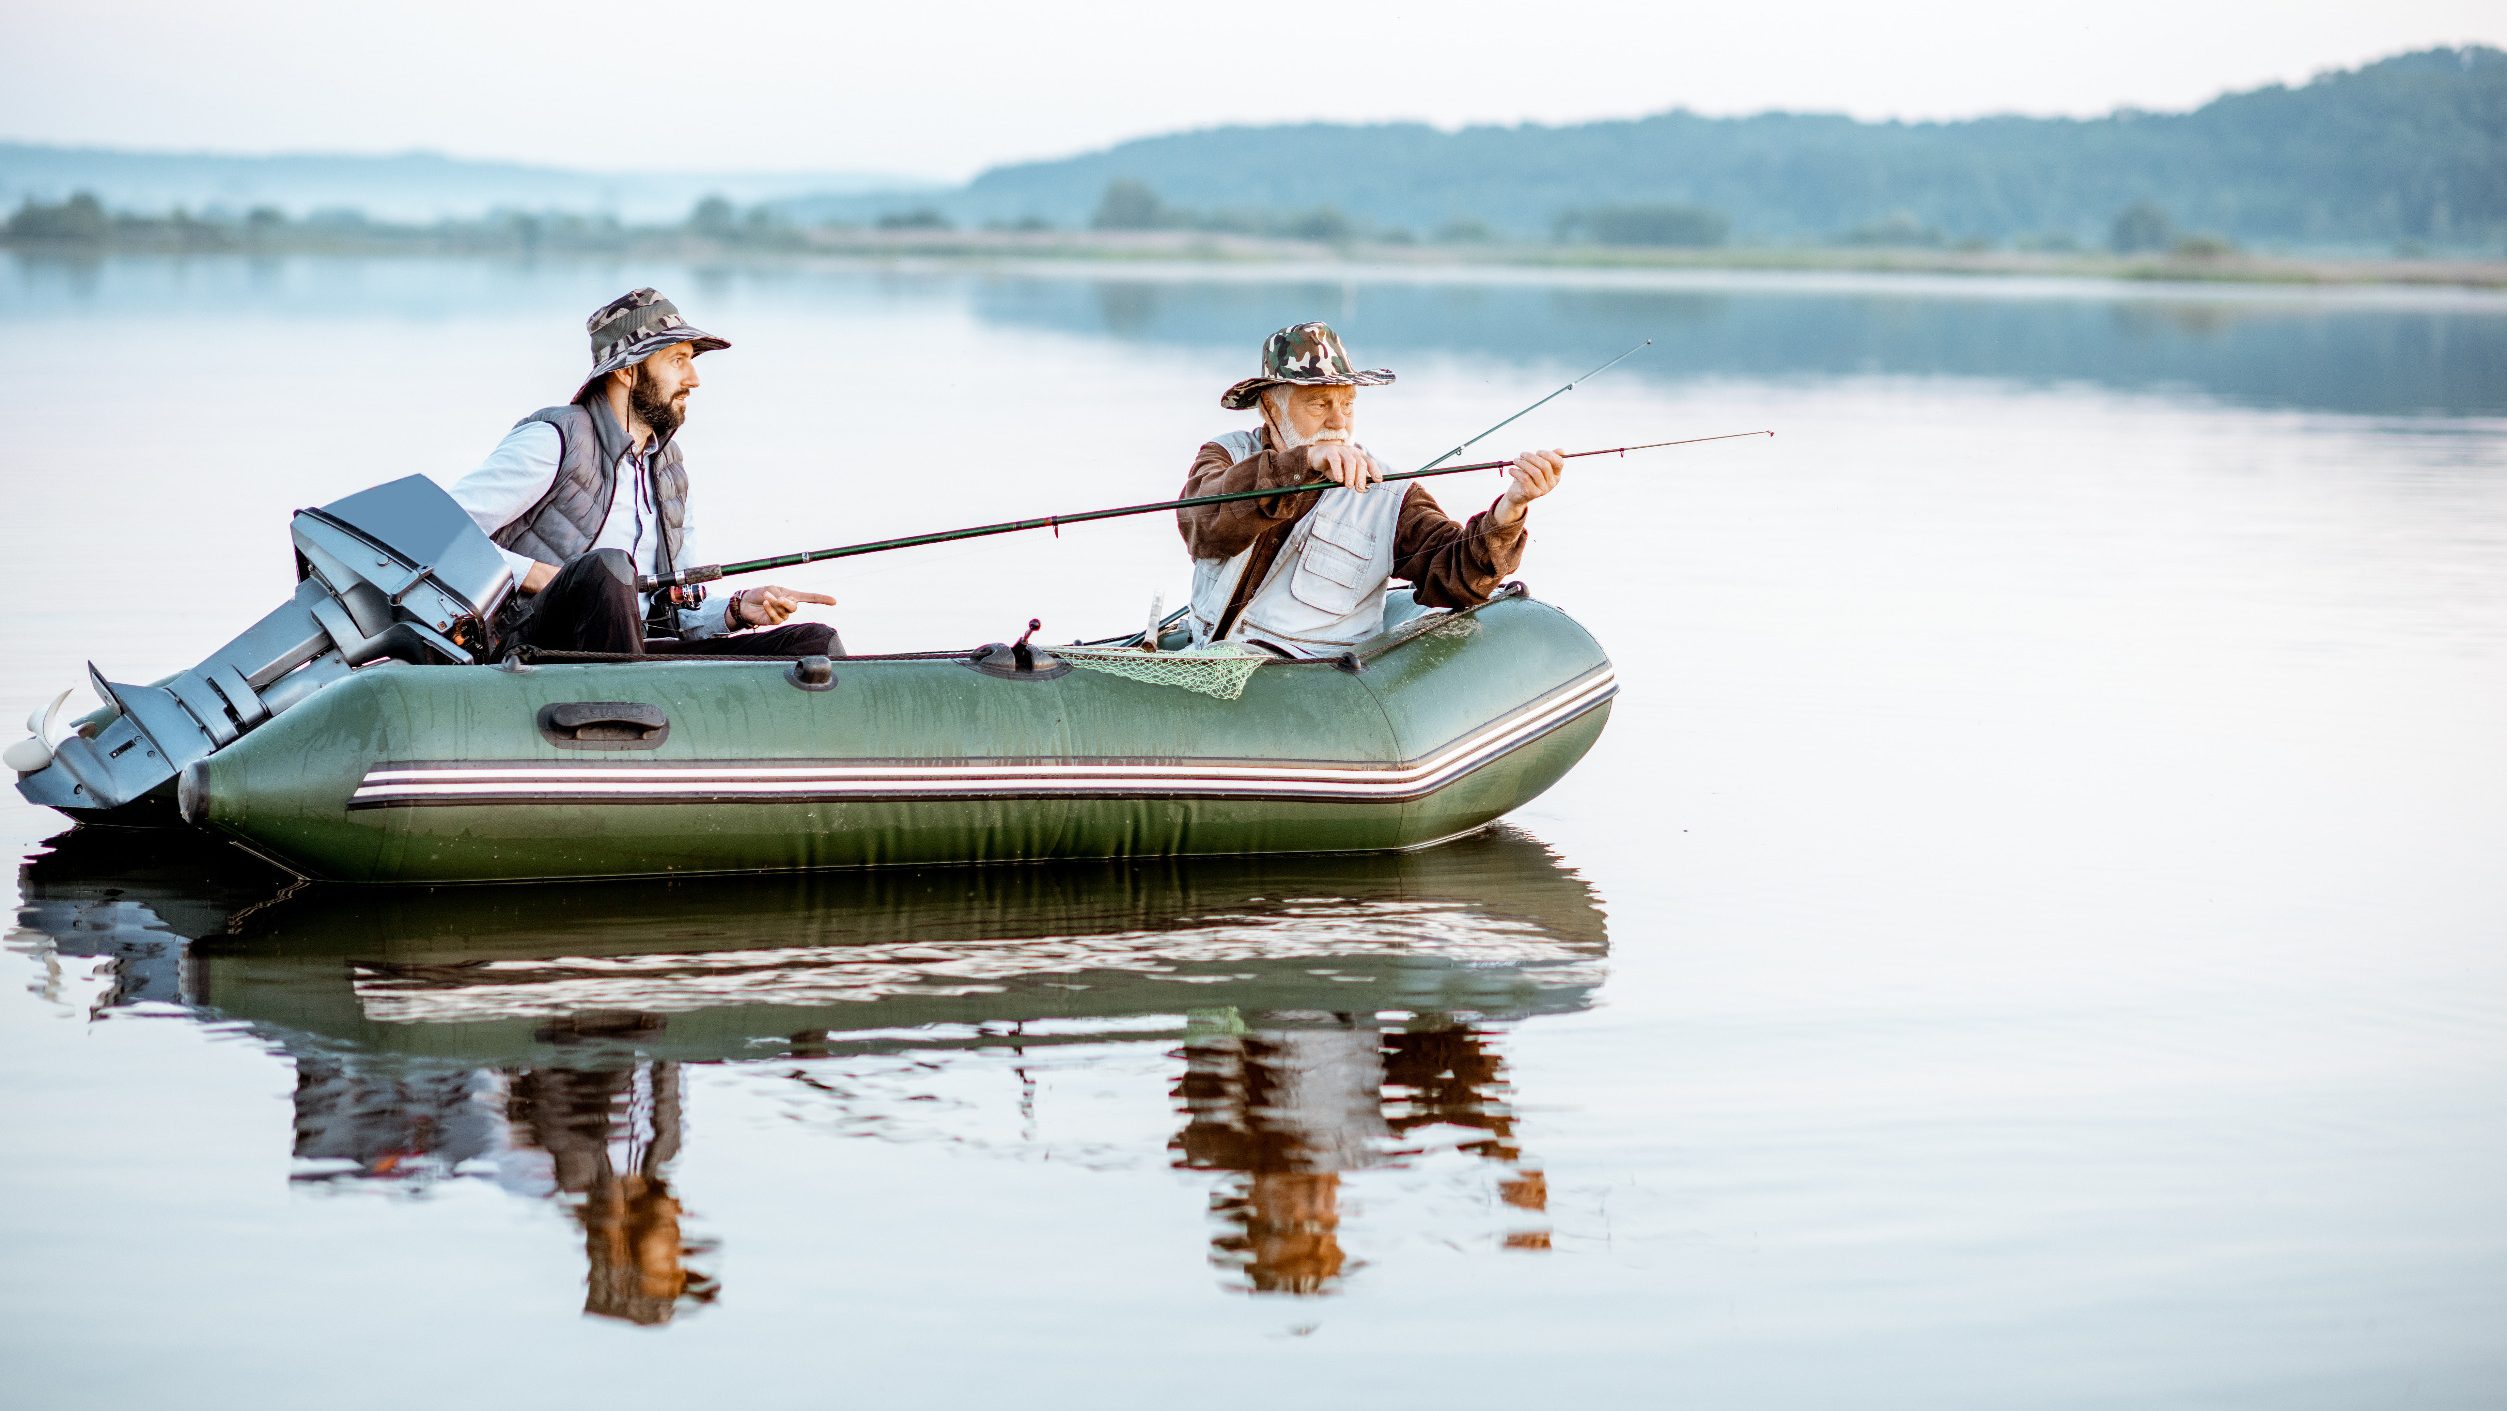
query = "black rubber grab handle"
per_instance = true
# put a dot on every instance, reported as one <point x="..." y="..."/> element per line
<point x="610" y="724"/>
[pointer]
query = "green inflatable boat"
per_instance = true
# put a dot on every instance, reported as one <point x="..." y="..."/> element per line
<point x="364" y="733"/>
<point x="448" y="774"/>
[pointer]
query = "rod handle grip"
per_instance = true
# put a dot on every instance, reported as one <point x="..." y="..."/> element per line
<point x="704" y="574"/>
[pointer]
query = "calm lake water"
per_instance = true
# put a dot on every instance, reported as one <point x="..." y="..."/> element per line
<point x="2034" y="933"/>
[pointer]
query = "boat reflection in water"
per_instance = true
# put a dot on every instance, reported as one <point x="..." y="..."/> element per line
<point x="1333" y="1015"/>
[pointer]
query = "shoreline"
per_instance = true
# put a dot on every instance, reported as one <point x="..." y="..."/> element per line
<point x="1176" y="249"/>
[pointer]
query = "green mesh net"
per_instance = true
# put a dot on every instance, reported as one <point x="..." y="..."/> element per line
<point x="1220" y="669"/>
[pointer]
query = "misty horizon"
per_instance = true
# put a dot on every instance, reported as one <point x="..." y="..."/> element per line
<point x="945" y="95"/>
<point x="870" y="179"/>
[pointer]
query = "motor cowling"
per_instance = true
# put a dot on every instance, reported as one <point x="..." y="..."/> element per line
<point x="398" y="572"/>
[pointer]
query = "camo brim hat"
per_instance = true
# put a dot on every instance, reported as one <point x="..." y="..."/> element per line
<point x="634" y="326"/>
<point x="1301" y="355"/>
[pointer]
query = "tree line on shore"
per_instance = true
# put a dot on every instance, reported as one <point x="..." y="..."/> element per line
<point x="2410" y="150"/>
<point x="1125" y="208"/>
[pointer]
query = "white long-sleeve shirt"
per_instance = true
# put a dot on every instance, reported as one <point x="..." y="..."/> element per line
<point x="519" y="472"/>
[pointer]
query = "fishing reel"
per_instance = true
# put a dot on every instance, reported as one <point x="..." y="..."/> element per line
<point x="668" y="600"/>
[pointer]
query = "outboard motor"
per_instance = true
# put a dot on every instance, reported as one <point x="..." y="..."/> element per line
<point x="397" y="572"/>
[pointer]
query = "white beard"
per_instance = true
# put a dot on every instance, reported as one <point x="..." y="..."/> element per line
<point x="1274" y="408"/>
<point x="1289" y="440"/>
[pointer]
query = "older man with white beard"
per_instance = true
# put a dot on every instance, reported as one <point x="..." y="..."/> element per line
<point x="1304" y="575"/>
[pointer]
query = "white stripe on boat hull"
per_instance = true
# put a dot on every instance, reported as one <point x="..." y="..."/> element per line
<point x="404" y="784"/>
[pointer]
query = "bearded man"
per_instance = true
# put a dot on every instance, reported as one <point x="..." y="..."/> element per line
<point x="585" y="497"/>
<point x="1304" y="575"/>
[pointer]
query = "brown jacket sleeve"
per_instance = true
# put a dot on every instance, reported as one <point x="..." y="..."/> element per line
<point x="1451" y="565"/>
<point x="1223" y="531"/>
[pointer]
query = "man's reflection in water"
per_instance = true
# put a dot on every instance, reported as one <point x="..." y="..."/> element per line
<point x="598" y="1137"/>
<point x="610" y="1134"/>
<point x="1451" y="1076"/>
<point x="1287" y="1103"/>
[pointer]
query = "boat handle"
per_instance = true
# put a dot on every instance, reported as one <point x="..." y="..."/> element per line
<point x="604" y="725"/>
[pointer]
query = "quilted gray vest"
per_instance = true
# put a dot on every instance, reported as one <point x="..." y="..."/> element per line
<point x="569" y="517"/>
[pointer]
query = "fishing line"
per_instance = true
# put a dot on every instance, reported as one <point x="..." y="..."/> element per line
<point x="1536" y="406"/>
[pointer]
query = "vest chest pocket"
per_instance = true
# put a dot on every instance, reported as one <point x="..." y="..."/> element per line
<point x="1336" y="572"/>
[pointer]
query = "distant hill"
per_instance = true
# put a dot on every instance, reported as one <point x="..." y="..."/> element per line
<point x="412" y="186"/>
<point x="2407" y="152"/>
<point x="2409" y="149"/>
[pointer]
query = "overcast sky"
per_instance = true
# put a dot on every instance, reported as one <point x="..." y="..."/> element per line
<point x="942" y="89"/>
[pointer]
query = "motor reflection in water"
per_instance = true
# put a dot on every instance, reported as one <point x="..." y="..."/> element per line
<point x="1327" y="1016"/>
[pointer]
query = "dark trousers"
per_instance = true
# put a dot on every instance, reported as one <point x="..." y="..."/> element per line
<point x="592" y="606"/>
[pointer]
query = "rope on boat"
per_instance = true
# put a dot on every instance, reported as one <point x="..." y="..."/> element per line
<point x="532" y="656"/>
<point x="1117" y="648"/>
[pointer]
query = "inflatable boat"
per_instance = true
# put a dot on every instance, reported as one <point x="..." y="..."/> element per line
<point x="365" y="732"/>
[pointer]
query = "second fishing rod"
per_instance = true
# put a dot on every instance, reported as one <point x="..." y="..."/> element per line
<point x="710" y="572"/>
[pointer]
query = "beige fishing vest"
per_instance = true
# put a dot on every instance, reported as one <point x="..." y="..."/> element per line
<point x="1325" y="591"/>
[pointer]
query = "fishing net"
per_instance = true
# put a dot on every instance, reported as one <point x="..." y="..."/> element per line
<point x="1220" y="669"/>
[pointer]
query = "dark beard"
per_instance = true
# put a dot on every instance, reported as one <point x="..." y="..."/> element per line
<point x="658" y="413"/>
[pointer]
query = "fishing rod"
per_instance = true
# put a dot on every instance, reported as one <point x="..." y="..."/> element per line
<point x="709" y="572"/>
<point x="1536" y="406"/>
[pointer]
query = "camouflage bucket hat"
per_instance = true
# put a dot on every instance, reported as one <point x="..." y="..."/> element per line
<point x="634" y="326"/>
<point x="1301" y="355"/>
